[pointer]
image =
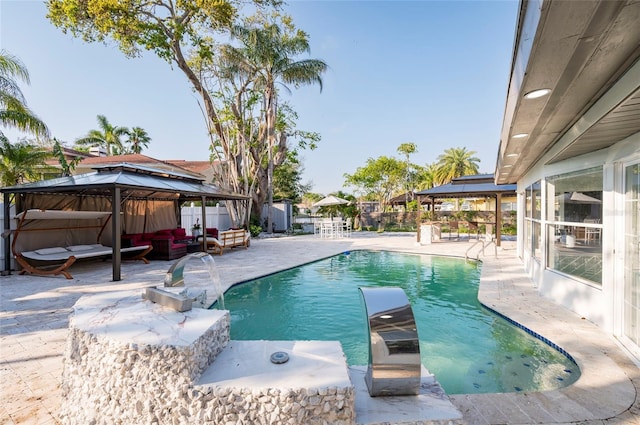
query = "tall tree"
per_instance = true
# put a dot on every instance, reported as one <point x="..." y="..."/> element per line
<point x="175" y="31"/>
<point x="138" y="139"/>
<point x="455" y="162"/>
<point x="379" y="179"/>
<point x="268" y="54"/>
<point x="407" y="149"/>
<point x="108" y="137"/>
<point x="20" y="162"/>
<point x="14" y="112"/>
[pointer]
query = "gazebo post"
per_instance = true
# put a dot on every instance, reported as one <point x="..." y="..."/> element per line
<point x="203" y="207"/>
<point x="498" y="218"/>
<point x="418" y="218"/>
<point x="7" y="232"/>
<point x="115" y="233"/>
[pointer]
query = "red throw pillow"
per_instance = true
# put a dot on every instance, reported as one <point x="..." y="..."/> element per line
<point x="180" y="233"/>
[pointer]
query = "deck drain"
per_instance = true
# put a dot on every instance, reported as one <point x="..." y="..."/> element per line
<point x="279" y="357"/>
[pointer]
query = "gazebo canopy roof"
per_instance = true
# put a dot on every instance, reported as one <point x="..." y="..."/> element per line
<point x="135" y="181"/>
<point x="470" y="186"/>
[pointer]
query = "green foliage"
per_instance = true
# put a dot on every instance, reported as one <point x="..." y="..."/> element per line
<point x="427" y="216"/>
<point x="66" y="166"/>
<point x="108" y="137"/>
<point x="20" y="162"/>
<point x="255" y="230"/>
<point x="510" y="229"/>
<point x="455" y="162"/>
<point x="137" y="25"/>
<point x="287" y="179"/>
<point x="14" y="112"/>
<point x="379" y="178"/>
<point x="137" y="140"/>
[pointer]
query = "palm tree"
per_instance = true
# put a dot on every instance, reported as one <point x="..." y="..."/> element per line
<point x="267" y="56"/>
<point x="66" y="165"/>
<point x="425" y="177"/>
<point x="407" y="149"/>
<point x="138" y="139"/>
<point x="455" y="162"/>
<point x="14" y="112"/>
<point x="108" y="137"/>
<point x="20" y="162"/>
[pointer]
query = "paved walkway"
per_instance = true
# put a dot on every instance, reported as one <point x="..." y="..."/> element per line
<point x="34" y="312"/>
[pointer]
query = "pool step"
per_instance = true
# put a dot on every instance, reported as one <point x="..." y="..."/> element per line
<point x="430" y="407"/>
<point x="314" y="386"/>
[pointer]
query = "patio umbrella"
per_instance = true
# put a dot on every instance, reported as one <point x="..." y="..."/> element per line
<point x="330" y="200"/>
<point x="578" y="198"/>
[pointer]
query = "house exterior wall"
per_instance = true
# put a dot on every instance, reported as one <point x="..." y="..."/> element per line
<point x="599" y="303"/>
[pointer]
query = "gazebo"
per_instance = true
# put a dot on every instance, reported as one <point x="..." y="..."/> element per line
<point x="480" y="185"/>
<point x="137" y="197"/>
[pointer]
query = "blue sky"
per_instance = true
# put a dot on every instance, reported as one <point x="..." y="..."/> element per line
<point x="434" y="73"/>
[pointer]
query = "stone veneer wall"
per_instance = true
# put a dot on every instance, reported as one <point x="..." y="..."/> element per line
<point x="110" y="381"/>
<point x="106" y="381"/>
<point x="267" y="406"/>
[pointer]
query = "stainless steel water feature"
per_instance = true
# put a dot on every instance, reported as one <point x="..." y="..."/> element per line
<point x="205" y="294"/>
<point x="394" y="348"/>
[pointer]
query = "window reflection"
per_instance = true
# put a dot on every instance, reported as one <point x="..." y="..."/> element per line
<point x="575" y="235"/>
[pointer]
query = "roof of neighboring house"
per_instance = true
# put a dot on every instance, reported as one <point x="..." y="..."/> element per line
<point x="69" y="154"/>
<point x="145" y="161"/>
<point x="196" y="166"/>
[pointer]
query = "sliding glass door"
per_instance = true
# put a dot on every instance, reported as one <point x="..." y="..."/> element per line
<point x="631" y="313"/>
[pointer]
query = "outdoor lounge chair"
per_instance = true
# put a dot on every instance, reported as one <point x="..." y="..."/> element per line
<point x="56" y="260"/>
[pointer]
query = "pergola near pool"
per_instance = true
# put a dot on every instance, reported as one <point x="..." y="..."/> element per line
<point x="481" y="185"/>
<point x="141" y="190"/>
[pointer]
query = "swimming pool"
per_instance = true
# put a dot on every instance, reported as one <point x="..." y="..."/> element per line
<point x="469" y="348"/>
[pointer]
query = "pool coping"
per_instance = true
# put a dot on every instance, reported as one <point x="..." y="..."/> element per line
<point x="34" y="317"/>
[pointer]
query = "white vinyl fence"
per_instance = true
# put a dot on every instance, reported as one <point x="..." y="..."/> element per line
<point x="217" y="217"/>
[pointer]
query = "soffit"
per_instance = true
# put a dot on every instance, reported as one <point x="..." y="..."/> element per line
<point x="579" y="50"/>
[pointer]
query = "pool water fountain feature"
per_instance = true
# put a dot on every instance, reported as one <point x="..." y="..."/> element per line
<point x="394" y="347"/>
<point x="182" y="297"/>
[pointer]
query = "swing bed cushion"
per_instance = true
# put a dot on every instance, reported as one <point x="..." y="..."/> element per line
<point x="68" y="255"/>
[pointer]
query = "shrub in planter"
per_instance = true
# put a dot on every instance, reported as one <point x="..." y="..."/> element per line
<point x="255" y="230"/>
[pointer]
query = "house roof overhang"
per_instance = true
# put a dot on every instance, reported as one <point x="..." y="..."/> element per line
<point x="587" y="54"/>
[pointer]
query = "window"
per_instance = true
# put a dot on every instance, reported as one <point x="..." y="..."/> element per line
<point x="574" y="232"/>
<point x="532" y="220"/>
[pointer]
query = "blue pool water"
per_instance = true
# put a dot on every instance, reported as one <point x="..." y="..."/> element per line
<point x="467" y="347"/>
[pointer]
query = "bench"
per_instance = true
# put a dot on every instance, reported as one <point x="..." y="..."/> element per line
<point x="227" y="239"/>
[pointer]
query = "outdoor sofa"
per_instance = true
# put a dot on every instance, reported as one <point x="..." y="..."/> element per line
<point x="168" y="244"/>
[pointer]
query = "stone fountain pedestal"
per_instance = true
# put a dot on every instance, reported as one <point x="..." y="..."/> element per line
<point x="128" y="360"/>
<point x="131" y="361"/>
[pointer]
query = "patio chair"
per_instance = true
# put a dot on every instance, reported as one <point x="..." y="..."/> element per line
<point x="474" y="228"/>
<point x="454" y="225"/>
